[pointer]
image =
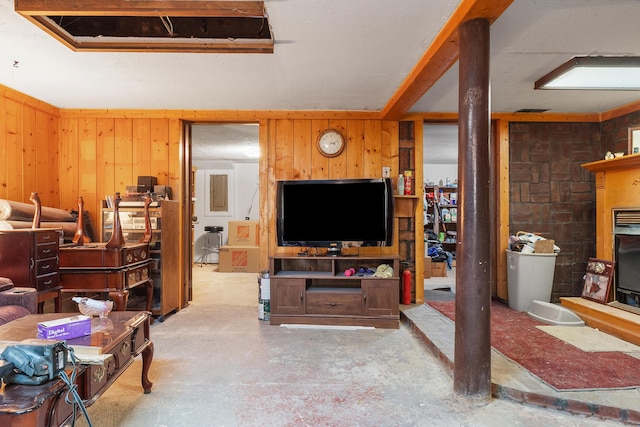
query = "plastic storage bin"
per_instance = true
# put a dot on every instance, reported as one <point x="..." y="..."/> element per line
<point x="529" y="277"/>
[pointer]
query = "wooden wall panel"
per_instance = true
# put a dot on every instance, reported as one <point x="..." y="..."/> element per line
<point x="175" y="159"/>
<point x="68" y="163"/>
<point x="160" y="150"/>
<point x="123" y="150"/>
<point x="338" y="165"/>
<point x="106" y="163"/>
<point x="302" y="149"/>
<point x="141" y="147"/>
<point x="319" y="164"/>
<point x="355" y="149"/>
<point x="372" y="149"/>
<point x="46" y="167"/>
<point x="15" y="159"/>
<point x="102" y="156"/>
<point x="4" y="155"/>
<point x="87" y="166"/>
<point x="28" y="144"/>
<point x="29" y="182"/>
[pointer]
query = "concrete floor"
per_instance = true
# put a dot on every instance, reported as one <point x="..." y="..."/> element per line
<point x="216" y="364"/>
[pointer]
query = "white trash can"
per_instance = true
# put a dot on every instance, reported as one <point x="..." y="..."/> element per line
<point x="529" y="277"/>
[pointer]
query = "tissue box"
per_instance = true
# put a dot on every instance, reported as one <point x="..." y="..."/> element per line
<point x="65" y="328"/>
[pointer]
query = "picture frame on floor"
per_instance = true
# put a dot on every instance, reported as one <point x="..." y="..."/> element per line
<point x="597" y="280"/>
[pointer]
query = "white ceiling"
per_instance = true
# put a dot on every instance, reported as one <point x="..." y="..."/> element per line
<point x="330" y="55"/>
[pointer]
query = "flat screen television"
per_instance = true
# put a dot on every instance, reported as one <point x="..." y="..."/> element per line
<point x="335" y="213"/>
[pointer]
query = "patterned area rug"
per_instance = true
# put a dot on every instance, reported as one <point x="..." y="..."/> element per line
<point x="560" y="365"/>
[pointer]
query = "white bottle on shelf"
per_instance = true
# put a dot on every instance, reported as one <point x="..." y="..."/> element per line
<point x="400" y="185"/>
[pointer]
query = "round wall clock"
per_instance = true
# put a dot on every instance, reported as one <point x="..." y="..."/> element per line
<point x="330" y="143"/>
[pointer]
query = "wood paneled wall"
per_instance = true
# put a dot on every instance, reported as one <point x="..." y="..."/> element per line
<point x="292" y="154"/>
<point x="104" y="155"/>
<point x="63" y="154"/>
<point x="28" y="148"/>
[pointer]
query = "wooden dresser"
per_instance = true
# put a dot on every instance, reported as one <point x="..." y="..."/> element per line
<point x="30" y="258"/>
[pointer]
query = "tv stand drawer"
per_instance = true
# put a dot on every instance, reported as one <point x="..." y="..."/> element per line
<point x="334" y="303"/>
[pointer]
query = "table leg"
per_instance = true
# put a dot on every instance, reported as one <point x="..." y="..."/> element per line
<point x="147" y="357"/>
<point x="120" y="299"/>
<point x="149" y="285"/>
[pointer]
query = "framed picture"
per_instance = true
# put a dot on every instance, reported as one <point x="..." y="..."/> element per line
<point x="634" y="140"/>
<point x="597" y="280"/>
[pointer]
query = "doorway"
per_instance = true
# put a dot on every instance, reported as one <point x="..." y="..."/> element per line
<point x="225" y="164"/>
<point x="440" y="171"/>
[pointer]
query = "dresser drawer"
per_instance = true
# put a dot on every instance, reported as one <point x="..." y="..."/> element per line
<point x="47" y="236"/>
<point x="137" y="275"/>
<point x="336" y="302"/>
<point x="46" y="266"/>
<point x="46" y="250"/>
<point x="136" y="254"/>
<point x="47" y="282"/>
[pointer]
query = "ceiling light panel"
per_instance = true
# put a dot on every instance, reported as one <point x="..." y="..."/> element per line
<point x="594" y="73"/>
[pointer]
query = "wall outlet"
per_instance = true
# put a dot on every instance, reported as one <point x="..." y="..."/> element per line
<point x="386" y="172"/>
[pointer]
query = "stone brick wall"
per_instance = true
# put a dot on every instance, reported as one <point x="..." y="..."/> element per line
<point x="552" y="195"/>
<point x="615" y="132"/>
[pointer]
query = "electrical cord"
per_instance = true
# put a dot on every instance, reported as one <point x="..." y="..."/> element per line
<point x="72" y="397"/>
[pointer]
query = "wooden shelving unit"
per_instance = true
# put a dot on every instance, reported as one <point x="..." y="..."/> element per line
<point x="163" y="249"/>
<point x="315" y="290"/>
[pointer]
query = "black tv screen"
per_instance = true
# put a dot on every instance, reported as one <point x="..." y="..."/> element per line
<point x="335" y="213"/>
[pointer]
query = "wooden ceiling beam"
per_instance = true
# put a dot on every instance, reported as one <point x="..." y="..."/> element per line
<point x="211" y="8"/>
<point x="440" y="56"/>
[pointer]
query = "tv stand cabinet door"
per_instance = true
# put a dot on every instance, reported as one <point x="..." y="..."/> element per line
<point x="287" y="296"/>
<point x="380" y="297"/>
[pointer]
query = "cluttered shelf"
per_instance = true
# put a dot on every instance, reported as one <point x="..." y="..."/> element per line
<point x="440" y="231"/>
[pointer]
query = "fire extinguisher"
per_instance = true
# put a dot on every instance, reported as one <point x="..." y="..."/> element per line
<point x="406" y="287"/>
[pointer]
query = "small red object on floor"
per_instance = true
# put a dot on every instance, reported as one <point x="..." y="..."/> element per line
<point x="406" y="287"/>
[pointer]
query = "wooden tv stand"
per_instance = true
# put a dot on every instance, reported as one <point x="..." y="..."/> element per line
<point x="315" y="290"/>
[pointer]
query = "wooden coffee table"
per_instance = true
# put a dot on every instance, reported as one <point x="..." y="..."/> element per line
<point x="124" y="335"/>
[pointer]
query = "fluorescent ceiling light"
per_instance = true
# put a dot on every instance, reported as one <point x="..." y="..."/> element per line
<point x="594" y="73"/>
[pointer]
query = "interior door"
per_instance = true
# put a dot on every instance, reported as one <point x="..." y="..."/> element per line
<point x="187" y="217"/>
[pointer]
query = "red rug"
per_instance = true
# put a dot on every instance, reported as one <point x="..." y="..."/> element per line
<point x="561" y="365"/>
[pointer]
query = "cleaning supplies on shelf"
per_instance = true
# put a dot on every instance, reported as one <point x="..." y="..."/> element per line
<point x="408" y="183"/>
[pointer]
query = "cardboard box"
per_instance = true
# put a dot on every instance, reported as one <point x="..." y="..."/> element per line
<point x="243" y="233"/>
<point x="65" y="328"/>
<point x="439" y="269"/>
<point x="239" y="259"/>
<point x="427" y="267"/>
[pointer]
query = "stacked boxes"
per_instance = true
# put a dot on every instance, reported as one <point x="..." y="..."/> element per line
<point x="434" y="269"/>
<point x="242" y="254"/>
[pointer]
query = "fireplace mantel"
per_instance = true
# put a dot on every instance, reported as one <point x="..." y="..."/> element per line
<point x="624" y="162"/>
<point x="617" y="184"/>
